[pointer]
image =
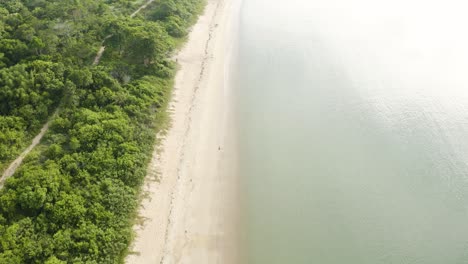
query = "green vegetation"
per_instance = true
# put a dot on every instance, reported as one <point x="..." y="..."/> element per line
<point x="74" y="198"/>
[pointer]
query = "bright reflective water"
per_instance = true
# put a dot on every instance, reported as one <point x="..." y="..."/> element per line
<point x="354" y="131"/>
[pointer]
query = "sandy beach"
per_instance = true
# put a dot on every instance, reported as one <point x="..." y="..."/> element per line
<point x="190" y="211"/>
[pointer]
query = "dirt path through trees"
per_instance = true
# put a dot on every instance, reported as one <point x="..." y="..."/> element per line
<point x="141" y="8"/>
<point x="97" y="59"/>
<point x="17" y="162"/>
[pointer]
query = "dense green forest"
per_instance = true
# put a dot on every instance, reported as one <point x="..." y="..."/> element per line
<point x="74" y="198"/>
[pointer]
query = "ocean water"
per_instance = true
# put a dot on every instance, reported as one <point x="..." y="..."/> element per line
<point x="353" y="131"/>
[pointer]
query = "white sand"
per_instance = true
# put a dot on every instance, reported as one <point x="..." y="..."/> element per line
<point x="190" y="215"/>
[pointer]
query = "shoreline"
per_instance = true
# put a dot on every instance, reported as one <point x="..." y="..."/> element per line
<point x="190" y="212"/>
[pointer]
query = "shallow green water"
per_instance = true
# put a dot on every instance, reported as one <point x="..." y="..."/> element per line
<point x="354" y="132"/>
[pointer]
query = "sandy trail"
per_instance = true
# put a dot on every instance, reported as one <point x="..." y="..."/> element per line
<point x="141" y="8"/>
<point x="101" y="50"/>
<point x="190" y="215"/>
<point x="17" y="162"/>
